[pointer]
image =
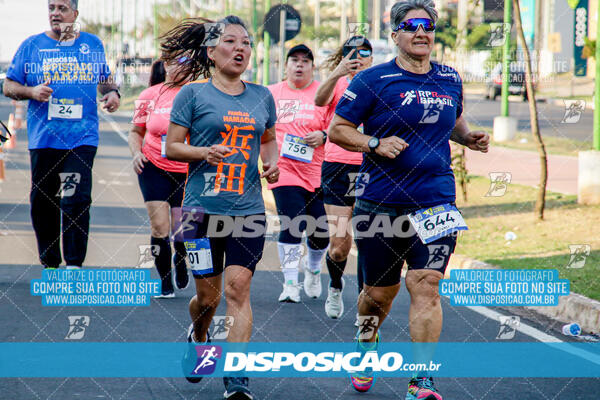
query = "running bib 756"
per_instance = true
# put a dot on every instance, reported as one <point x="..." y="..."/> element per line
<point x="65" y="108"/>
<point x="435" y="222"/>
<point x="199" y="256"/>
<point x="295" y="147"/>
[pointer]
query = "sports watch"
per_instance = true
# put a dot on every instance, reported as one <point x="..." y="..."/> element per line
<point x="373" y="144"/>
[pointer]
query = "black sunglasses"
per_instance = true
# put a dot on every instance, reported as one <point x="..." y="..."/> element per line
<point x="4" y="138"/>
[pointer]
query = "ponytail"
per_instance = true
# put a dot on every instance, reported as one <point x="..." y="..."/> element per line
<point x="190" y="39"/>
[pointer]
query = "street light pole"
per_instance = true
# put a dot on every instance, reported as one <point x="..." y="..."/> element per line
<point x="506" y="58"/>
<point x="255" y="33"/>
<point x="267" y="45"/>
<point x="361" y="18"/>
<point x="596" y="142"/>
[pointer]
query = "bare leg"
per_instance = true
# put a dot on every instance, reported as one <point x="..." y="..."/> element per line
<point x="204" y="304"/>
<point x="237" y="296"/>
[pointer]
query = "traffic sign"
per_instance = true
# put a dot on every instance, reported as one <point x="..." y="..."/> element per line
<point x="293" y="22"/>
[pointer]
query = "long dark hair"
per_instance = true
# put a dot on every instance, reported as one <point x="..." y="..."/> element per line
<point x="189" y="39"/>
<point x="157" y="73"/>
<point x="333" y="60"/>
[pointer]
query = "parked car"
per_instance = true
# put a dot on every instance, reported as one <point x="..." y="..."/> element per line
<point x="516" y="83"/>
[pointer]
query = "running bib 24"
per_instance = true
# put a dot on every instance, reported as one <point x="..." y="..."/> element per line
<point x="65" y="108"/>
<point x="295" y="147"/>
<point x="199" y="256"/>
<point x="435" y="222"/>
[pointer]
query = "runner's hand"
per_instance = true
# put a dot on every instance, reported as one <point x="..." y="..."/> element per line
<point x="270" y="172"/>
<point x="138" y="162"/>
<point x="41" y="92"/>
<point x="216" y="153"/>
<point x="347" y="65"/>
<point x="478" y="141"/>
<point x="112" y="101"/>
<point x="314" y="139"/>
<point x="390" y="147"/>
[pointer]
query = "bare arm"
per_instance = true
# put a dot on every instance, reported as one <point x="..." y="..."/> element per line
<point x="344" y="133"/>
<point x="269" y="155"/>
<point x="16" y="91"/>
<point x="135" y="140"/>
<point x="177" y="150"/>
<point x="324" y="93"/>
<point x="474" y="140"/>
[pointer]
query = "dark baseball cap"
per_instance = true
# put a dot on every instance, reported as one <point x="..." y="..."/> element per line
<point x="300" y="48"/>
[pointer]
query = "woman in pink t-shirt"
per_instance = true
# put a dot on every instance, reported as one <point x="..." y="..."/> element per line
<point x="161" y="180"/>
<point x="301" y="134"/>
<point x="341" y="180"/>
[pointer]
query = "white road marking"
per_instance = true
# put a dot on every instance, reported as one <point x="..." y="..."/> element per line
<point x="113" y="124"/>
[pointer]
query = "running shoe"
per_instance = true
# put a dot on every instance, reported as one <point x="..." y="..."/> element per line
<point x="191" y="356"/>
<point x="165" y="295"/>
<point x="312" y="281"/>
<point x="182" y="278"/>
<point x="422" y="389"/>
<point x="363" y="381"/>
<point x="334" y="305"/>
<point x="290" y="293"/>
<point x="237" y="389"/>
<point x="73" y="267"/>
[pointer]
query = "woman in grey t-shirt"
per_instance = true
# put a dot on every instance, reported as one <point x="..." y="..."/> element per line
<point x="228" y="123"/>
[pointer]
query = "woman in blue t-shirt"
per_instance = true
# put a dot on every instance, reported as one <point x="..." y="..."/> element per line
<point x="228" y="123"/>
<point x="410" y="109"/>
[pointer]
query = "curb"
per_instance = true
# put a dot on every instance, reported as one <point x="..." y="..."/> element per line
<point x="589" y="105"/>
<point x="571" y="308"/>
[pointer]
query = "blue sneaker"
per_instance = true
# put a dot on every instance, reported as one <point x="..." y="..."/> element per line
<point x="363" y="381"/>
<point x="188" y="363"/>
<point x="236" y="388"/>
<point x="422" y="389"/>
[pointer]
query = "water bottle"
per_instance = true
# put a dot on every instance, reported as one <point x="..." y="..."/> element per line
<point x="571" y="330"/>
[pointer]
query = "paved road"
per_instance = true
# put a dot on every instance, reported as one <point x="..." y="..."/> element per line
<point x="480" y="111"/>
<point x="119" y="226"/>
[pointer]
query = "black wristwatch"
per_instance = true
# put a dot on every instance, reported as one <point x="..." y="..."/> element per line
<point x="324" y="136"/>
<point x="373" y="144"/>
<point x="116" y="91"/>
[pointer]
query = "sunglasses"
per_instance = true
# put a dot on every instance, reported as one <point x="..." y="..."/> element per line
<point x="412" y="25"/>
<point x="4" y="138"/>
<point x="364" y="53"/>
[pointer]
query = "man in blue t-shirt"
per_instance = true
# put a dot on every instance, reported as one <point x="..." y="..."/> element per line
<point x="59" y="72"/>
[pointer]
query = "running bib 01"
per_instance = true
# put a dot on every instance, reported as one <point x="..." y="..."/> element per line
<point x="295" y="147"/>
<point x="199" y="256"/>
<point x="71" y="109"/>
<point x="435" y="222"/>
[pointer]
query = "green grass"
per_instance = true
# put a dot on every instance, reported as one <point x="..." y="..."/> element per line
<point x="539" y="244"/>
<point x="554" y="145"/>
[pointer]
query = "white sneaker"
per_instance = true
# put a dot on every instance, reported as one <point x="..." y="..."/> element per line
<point x="312" y="282"/>
<point x="290" y="294"/>
<point x="334" y="305"/>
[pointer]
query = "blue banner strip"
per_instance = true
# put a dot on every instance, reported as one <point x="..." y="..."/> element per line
<point x="50" y="360"/>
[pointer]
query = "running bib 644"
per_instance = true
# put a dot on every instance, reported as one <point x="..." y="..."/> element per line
<point x="71" y="109"/>
<point x="435" y="222"/>
<point x="295" y="147"/>
<point x="199" y="256"/>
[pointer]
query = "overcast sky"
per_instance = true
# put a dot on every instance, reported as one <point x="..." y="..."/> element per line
<point x="20" y="19"/>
